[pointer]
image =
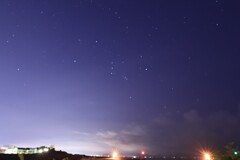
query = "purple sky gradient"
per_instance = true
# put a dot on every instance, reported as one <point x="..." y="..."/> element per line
<point x="93" y="76"/>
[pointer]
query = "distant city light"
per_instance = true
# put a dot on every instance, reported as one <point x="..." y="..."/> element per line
<point x="45" y="150"/>
<point x="40" y="151"/>
<point x="142" y="152"/>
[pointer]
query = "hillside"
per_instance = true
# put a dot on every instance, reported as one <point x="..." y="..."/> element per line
<point x="51" y="155"/>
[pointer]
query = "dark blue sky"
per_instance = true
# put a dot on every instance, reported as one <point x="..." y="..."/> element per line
<point x="93" y="76"/>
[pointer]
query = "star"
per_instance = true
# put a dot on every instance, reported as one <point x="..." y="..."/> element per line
<point x="79" y="40"/>
<point x="125" y="78"/>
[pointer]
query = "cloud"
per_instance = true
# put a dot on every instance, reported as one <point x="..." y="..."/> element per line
<point x="190" y="130"/>
<point x="127" y="140"/>
<point x="165" y="134"/>
<point x="174" y="133"/>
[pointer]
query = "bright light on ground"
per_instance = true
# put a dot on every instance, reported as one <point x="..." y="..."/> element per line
<point x="114" y="155"/>
<point x="40" y="151"/>
<point x="207" y="156"/>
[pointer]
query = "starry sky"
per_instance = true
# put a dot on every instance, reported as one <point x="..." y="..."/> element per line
<point x="90" y="76"/>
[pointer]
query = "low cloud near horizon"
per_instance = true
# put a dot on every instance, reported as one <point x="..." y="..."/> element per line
<point x="166" y="134"/>
<point x="174" y="133"/>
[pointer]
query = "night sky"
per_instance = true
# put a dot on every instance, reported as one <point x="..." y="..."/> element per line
<point x="93" y="76"/>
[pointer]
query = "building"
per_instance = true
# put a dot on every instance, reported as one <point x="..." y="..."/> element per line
<point x="10" y="149"/>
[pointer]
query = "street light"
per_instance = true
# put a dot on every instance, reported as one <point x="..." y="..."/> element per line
<point x="114" y="155"/>
<point x="207" y="156"/>
<point x="235" y="153"/>
<point x="142" y="155"/>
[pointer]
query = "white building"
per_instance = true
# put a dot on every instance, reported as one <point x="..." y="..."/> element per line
<point x="10" y="149"/>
